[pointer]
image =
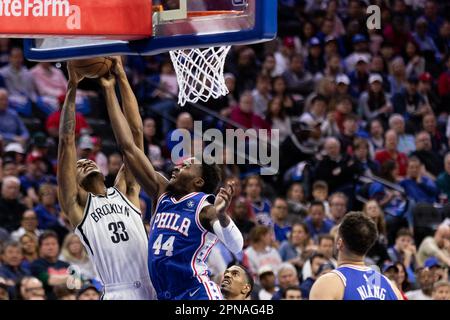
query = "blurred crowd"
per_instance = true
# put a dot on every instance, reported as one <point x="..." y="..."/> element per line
<point x="364" y="122"/>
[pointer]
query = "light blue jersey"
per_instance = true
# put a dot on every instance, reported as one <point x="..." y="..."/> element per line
<point x="364" y="283"/>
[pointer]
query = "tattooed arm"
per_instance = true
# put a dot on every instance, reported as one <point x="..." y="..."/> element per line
<point x="72" y="199"/>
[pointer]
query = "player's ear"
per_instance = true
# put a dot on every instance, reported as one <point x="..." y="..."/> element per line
<point x="199" y="182"/>
<point x="246" y="290"/>
<point x="339" y="243"/>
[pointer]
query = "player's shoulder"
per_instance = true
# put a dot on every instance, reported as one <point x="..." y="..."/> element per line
<point x="329" y="286"/>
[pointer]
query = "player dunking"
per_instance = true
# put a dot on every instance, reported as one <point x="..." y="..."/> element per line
<point x="107" y="221"/>
<point x="188" y="220"/>
<point x="352" y="280"/>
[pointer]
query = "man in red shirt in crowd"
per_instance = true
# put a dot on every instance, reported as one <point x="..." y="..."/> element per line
<point x="390" y="152"/>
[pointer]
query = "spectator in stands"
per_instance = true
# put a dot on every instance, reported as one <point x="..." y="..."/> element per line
<point x="292" y="293"/>
<point x="52" y="124"/>
<point x="30" y="249"/>
<point x="298" y="206"/>
<point x="359" y="77"/>
<point x="424" y="151"/>
<point x="376" y="136"/>
<point x="391" y="153"/>
<point x="30" y="288"/>
<point x="404" y="251"/>
<point x="12" y="267"/>
<point x="364" y="165"/>
<point x="406" y="143"/>
<point x="417" y="186"/>
<point x="298" y="80"/>
<point x="48" y="210"/>
<point x="290" y="105"/>
<point x="338" y="207"/>
<point x="415" y="61"/>
<point x="298" y="248"/>
<point x="425" y="42"/>
<point x="269" y="65"/>
<point x="431" y="15"/>
<point x="437" y="246"/>
<point x="377" y="254"/>
<point x="375" y="103"/>
<point x="426" y="281"/>
<point x="410" y="104"/>
<point x="277" y="119"/>
<point x="11" y="209"/>
<point x="279" y="212"/>
<point x="349" y="133"/>
<point x="267" y="281"/>
<point x="253" y="187"/>
<point x="260" y="252"/>
<point x="360" y="50"/>
<point x="396" y="33"/>
<point x="283" y="55"/>
<point x="326" y="248"/>
<point x="391" y="198"/>
<point x="29" y="223"/>
<point x="335" y="168"/>
<point x="443" y="180"/>
<point x="316" y="261"/>
<point x="88" y="292"/>
<point x="12" y="129"/>
<point x="20" y="83"/>
<point x="441" y="291"/>
<point x="320" y="193"/>
<point x="424" y="88"/>
<point x="74" y="253"/>
<point x="403" y="283"/>
<point x="438" y="139"/>
<point x="287" y="277"/>
<point x="35" y="176"/>
<point x="316" y="221"/>
<point x="48" y="268"/>
<point x="115" y="162"/>
<point x="244" y="114"/>
<point x="100" y="158"/>
<point x="152" y="145"/>
<point x="261" y="95"/>
<point x="444" y="81"/>
<point x="241" y="213"/>
<point x="315" y="63"/>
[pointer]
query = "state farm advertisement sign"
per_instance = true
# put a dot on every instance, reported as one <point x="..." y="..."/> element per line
<point x="109" y="19"/>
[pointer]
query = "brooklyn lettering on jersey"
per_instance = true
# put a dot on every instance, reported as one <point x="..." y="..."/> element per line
<point x="109" y="208"/>
<point x="171" y="221"/>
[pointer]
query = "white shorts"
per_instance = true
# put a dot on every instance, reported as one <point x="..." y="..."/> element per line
<point x="139" y="290"/>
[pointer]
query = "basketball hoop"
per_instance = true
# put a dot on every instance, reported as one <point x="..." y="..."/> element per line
<point x="200" y="73"/>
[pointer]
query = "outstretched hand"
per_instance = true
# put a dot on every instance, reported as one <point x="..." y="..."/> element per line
<point x="224" y="197"/>
<point x="117" y="66"/>
<point x="108" y="81"/>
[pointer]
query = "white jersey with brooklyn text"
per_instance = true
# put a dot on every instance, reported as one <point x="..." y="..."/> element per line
<point x="115" y="237"/>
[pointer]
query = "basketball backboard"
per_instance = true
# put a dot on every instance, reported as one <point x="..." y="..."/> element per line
<point x="177" y="24"/>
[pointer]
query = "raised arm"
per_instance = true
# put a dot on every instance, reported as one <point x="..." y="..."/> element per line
<point x="125" y="180"/>
<point x="69" y="196"/>
<point x="135" y="158"/>
<point x="215" y="219"/>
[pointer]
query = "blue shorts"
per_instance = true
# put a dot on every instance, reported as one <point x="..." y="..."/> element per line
<point x="203" y="291"/>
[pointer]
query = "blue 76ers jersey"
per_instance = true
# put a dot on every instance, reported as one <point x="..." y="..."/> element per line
<point x="178" y="245"/>
<point x="364" y="283"/>
<point x="262" y="212"/>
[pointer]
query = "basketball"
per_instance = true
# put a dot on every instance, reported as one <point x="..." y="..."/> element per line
<point x="93" y="68"/>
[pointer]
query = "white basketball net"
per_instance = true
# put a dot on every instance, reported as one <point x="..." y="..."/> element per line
<point x="200" y="73"/>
